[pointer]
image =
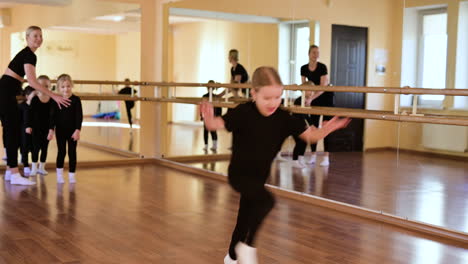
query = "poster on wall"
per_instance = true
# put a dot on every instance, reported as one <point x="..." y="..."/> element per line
<point x="380" y="61"/>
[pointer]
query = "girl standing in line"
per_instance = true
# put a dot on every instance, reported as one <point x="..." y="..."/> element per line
<point x="66" y="123"/>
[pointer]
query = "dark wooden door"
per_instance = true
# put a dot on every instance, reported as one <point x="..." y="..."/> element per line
<point x="348" y="68"/>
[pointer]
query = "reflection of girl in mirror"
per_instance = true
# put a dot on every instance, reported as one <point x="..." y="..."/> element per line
<point x="238" y="72"/>
<point x="300" y="147"/>
<point x="317" y="73"/>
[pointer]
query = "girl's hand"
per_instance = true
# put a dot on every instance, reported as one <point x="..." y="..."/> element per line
<point x="28" y="130"/>
<point x="50" y="136"/>
<point x="336" y="123"/>
<point x="60" y="100"/>
<point x="76" y="135"/>
<point x="207" y="110"/>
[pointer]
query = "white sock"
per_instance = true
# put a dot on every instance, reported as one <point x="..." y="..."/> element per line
<point x="71" y="177"/>
<point x="325" y="162"/>
<point x="7" y="175"/>
<point x="60" y="176"/>
<point x="17" y="179"/>
<point x="313" y="158"/>
<point x="33" y="169"/>
<point x="229" y="260"/>
<point x="215" y="144"/>
<point x="246" y="254"/>
<point x="42" y="168"/>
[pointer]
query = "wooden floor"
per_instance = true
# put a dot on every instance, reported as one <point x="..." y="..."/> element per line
<point x="431" y="190"/>
<point x="150" y="214"/>
<point x="84" y="153"/>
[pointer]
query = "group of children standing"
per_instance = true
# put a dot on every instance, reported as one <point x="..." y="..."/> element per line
<point x="40" y="119"/>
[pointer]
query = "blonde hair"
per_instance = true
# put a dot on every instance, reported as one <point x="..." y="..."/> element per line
<point x="63" y="78"/>
<point x="43" y="77"/>
<point x="30" y="29"/>
<point x="234" y="54"/>
<point x="265" y="76"/>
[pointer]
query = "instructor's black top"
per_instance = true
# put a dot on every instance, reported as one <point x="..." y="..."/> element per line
<point x="326" y="99"/>
<point x="257" y="138"/>
<point x="239" y="70"/>
<point x="25" y="56"/>
<point x="67" y="119"/>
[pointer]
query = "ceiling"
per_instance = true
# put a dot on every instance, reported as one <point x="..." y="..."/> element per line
<point x="10" y="3"/>
<point x="129" y="21"/>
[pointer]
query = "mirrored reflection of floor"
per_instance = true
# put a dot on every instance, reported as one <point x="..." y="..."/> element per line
<point x="111" y="133"/>
<point x="151" y="214"/>
<point x="183" y="139"/>
<point x="431" y="190"/>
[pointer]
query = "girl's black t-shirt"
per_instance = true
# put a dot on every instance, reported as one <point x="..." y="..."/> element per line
<point x="257" y="139"/>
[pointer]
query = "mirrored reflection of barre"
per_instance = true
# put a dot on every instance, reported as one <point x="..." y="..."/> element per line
<point x="353" y="89"/>
<point x="329" y="111"/>
<point x="226" y="102"/>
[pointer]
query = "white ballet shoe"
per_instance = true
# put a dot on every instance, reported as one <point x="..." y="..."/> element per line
<point x="325" y="162"/>
<point x="280" y="158"/>
<point x="297" y="164"/>
<point x="215" y="145"/>
<point x="229" y="260"/>
<point x="312" y="159"/>
<point x="60" y="176"/>
<point x="7" y="175"/>
<point x="33" y="169"/>
<point x="41" y="169"/>
<point x="246" y="254"/>
<point x="26" y="171"/>
<point x="71" y="177"/>
<point x="17" y="179"/>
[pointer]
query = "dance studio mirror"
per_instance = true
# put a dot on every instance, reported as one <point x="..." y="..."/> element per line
<point x="411" y="170"/>
<point x="105" y="122"/>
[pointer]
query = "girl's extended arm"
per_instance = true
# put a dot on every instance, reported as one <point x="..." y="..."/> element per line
<point x="313" y="134"/>
<point x="211" y="122"/>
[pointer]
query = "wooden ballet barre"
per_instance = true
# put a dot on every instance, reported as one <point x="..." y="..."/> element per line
<point x="108" y="97"/>
<point x="345" y="112"/>
<point x="354" y="89"/>
<point x="389" y="90"/>
<point x="329" y="111"/>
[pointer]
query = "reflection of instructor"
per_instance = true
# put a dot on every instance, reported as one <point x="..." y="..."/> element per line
<point x="238" y="72"/>
<point x="317" y="73"/>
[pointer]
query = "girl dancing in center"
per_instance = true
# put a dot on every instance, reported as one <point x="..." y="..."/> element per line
<point x="259" y="129"/>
